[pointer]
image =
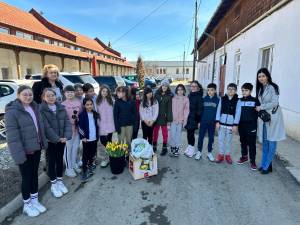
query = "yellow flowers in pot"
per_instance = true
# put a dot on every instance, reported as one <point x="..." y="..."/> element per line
<point x="115" y="149"/>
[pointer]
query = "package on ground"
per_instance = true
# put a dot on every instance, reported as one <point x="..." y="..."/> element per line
<point x="140" y="148"/>
<point x="141" y="168"/>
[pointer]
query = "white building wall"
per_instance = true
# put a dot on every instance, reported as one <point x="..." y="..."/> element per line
<point x="281" y="31"/>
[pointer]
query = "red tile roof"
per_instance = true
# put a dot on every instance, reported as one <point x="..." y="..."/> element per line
<point x="15" y="17"/>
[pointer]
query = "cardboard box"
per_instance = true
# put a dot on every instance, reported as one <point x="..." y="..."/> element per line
<point x="142" y="168"/>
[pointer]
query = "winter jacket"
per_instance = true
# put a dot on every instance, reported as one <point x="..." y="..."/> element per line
<point x="210" y="105"/>
<point x="275" y="128"/>
<point x="180" y="109"/>
<point x="196" y="109"/>
<point x="71" y="107"/>
<point x="38" y="88"/>
<point x="106" y="124"/>
<point x="124" y="114"/>
<point x="21" y="134"/>
<point x="58" y="124"/>
<point x="149" y="113"/>
<point x="226" y="110"/>
<point x="83" y="125"/>
<point x="165" y="108"/>
<point x="245" y="110"/>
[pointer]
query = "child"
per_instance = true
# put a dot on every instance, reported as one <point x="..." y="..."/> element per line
<point x="58" y="131"/>
<point x="224" y="122"/>
<point x="180" y="109"/>
<point x="124" y="115"/>
<point x="135" y="96"/>
<point x="73" y="107"/>
<point x="89" y="134"/>
<point x="106" y="124"/>
<point x="207" y="122"/>
<point x="25" y="139"/>
<point x="148" y="112"/>
<point x="196" y="108"/>
<point x="79" y="91"/>
<point x="89" y="92"/>
<point x="164" y="98"/>
<point x="246" y="119"/>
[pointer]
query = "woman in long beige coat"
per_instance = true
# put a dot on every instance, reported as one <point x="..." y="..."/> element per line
<point x="269" y="133"/>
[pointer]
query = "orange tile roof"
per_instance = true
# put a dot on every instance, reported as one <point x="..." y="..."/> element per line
<point x="15" y="17"/>
<point x="37" y="45"/>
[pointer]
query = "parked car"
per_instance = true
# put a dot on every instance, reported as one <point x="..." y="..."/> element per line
<point x="132" y="77"/>
<point x="38" y="77"/>
<point x="112" y="81"/>
<point x="8" y="93"/>
<point x="150" y="82"/>
<point x="131" y="83"/>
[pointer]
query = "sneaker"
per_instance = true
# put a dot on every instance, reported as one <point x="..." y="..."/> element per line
<point x="190" y="151"/>
<point x="90" y="171"/>
<point x="198" y="155"/>
<point x="172" y="150"/>
<point x="36" y="204"/>
<point x="210" y="157"/>
<point x="85" y="177"/>
<point x="93" y="166"/>
<point x="79" y="163"/>
<point x="70" y="173"/>
<point x="242" y="160"/>
<point x="164" y="150"/>
<point x="253" y="166"/>
<point x="104" y="163"/>
<point x="220" y="158"/>
<point x="30" y="210"/>
<point x="62" y="187"/>
<point x="176" y="152"/>
<point x="228" y="159"/>
<point x="56" y="191"/>
<point x="77" y="169"/>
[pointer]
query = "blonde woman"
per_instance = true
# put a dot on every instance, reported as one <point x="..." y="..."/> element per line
<point x="49" y="80"/>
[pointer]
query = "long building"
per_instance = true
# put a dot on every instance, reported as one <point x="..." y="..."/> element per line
<point x="28" y="41"/>
<point x="248" y="35"/>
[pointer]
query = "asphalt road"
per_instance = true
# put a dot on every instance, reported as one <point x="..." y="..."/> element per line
<point x="186" y="192"/>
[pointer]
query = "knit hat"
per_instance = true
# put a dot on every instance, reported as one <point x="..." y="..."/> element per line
<point x="165" y="82"/>
<point x="147" y="90"/>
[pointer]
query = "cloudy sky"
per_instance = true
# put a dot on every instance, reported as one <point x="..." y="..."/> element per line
<point x="162" y="36"/>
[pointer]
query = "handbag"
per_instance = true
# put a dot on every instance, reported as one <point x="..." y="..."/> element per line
<point x="264" y="116"/>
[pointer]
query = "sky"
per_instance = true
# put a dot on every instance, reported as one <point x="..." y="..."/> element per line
<point x="162" y="36"/>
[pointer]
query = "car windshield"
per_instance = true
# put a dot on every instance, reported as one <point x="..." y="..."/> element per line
<point x="88" y="79"/>
<point x="105" y="80"/>
<point x="74" y="79"/>
<point x="36" y="77"/>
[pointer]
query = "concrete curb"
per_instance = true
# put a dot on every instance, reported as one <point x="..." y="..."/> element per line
<point x="17" y="202"/>
<point x="294" y="171"/>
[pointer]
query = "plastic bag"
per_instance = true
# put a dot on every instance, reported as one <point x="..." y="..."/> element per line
<point x="140" y="148"/>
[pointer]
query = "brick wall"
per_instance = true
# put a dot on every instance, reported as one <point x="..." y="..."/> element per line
<point x="240" y="14"/>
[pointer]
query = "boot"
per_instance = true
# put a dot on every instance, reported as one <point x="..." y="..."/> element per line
<point x="164" y="150"/>
<point x="154" y="147"/>
<point x="270" y="169"/>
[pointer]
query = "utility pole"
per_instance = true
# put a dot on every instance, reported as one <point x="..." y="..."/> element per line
<point x="183" y="65"/>
<point x="195" y="41"/>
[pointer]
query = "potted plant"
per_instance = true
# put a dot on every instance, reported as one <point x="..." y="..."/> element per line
<point x="117" y="152"/>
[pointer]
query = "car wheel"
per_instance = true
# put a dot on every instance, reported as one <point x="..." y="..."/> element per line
<point x="2" y="128"/>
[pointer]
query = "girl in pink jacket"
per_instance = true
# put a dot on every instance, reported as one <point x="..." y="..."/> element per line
<point x="73" y="107"/>
<point x="106" y="124"/>
<point x="148" y="114"/>
<point x="180" y="110"/>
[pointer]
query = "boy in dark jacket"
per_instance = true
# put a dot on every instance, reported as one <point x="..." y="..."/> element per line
<point x="225" y="119"/>
<point x="246" y="119"/>
<point x="207" y="122"/>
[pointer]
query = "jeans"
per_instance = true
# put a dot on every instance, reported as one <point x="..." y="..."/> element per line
<point x="269" y="149"/>
<point x="210" y="128"/>
<point x="225" y="140"/>
<point x="71" y="151"/>
<point x="29" y="172"/>
<point x="176" y="129"/>
<point x="164" y="130"/>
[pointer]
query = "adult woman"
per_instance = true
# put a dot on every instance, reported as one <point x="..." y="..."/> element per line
<point x="49" y="80"/>
<point x="25" y="139"/>
<point x="268" y="132"/>
<point x="196" y="107"/>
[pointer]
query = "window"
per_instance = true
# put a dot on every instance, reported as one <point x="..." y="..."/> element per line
<point x="60" y="44"/>
<point x="164" y="71"/>
<point x="5" y="73"/>
<point x="24" y="35"/>
<point x="160" y="71"/>
<point x="46" y="40"/>
<point x="177" y="71"/>
<point x="5" y="90"/>
<point x="187" y="71"/>
<point x="157" y="71"/>
<point x="266" y="58"/>
<point x="4" y="30"/>
<point x="55" y="43"/>
<point x="237" y="68"/>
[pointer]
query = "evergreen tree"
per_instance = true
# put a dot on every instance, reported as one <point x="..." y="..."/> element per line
<point x="140" y="71"/>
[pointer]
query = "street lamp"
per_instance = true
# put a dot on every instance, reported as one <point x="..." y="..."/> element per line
<point x="214" y="59"/>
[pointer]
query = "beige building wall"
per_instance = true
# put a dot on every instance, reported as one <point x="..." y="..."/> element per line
<point x="50" y="59"/>
<point x="8" y="63"/>
<point x="108" y="66"/>
<point x="71" y="65"/>
<point x="30" y="61"/>
<point x="85" y="66"/>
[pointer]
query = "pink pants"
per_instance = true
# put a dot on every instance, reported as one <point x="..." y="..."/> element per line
<point x="164" y="130"/>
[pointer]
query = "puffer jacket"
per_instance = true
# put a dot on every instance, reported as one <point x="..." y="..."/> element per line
<point x="196" y="109"/>
<point x="165" y="115"/>
<point x="58" y="124"/>
<point x="21" y="135"/>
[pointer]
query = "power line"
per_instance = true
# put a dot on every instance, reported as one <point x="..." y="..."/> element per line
<point x="141" y="21"/>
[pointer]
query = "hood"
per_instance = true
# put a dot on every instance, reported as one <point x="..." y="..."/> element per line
<point x="17" y="105"/>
